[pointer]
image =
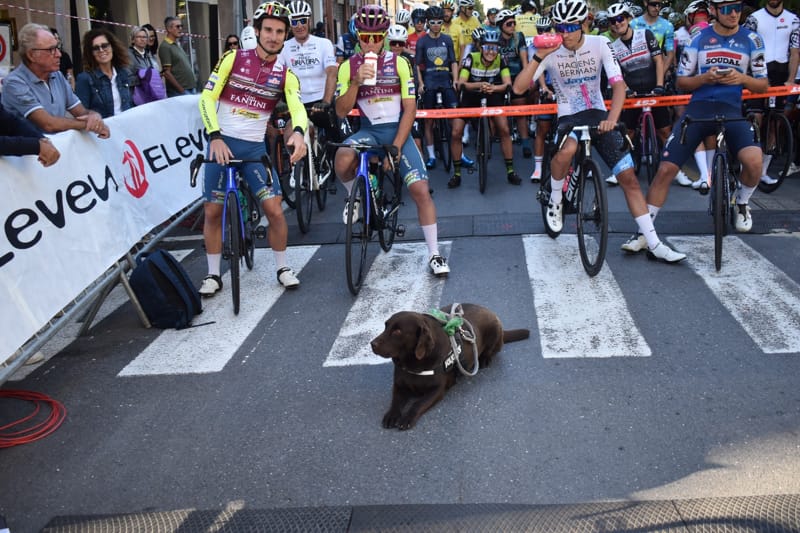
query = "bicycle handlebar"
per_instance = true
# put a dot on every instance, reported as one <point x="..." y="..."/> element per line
<point x="197" y="162"/>
<point x="564" y="132"/>
<point x="719" y="120"/>
<point x="389" y="149"/>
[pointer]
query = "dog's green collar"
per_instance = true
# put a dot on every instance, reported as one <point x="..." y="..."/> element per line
<point x="450" y="324"/>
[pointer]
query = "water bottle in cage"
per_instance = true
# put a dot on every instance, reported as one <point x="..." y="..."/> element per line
<point x="439" y="98"/>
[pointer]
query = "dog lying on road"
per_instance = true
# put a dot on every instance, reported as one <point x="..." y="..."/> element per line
<point x="425" y="365"/>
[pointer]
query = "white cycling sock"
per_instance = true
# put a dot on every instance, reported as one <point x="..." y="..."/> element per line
<point x="431" y="233"/>
<point x="431" y="153"/>
<point x="348" y="186"/>
<point x="280" y="259"/>
<point x="765" y="164"/>
<point x="647" y="229"/>
<point x="213" y="261"/>
<point x="702" y="165"/>
<point x="537" y="162"/>
<point x="710" y="159"/>
<point x="653" y="210"/>
<point x="744" y="194"/>
<point x="557" y="190"/>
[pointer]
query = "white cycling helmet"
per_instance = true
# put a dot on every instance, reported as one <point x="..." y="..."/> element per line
<point x="247" y="40"/>
<point x="397" y="33"/>
<point x="503" y="15"/>
<point x="569" y="11"/>
<point x="694" y="7"/>
<point x="298" y="9"/>
<point x="466" y="3"/>
<point x="403" y="17"/>
<point x="615" y="10"/>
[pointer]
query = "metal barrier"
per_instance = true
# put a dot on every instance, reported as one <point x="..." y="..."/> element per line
<point x="86" y="305"/>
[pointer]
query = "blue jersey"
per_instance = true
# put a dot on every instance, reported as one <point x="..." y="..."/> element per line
<point x="663" y="31"/>
<point x="435" y="57"/>
<point x="743" y="51"/>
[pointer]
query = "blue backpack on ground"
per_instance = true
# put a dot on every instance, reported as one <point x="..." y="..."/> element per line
<point x="165" y="291"/>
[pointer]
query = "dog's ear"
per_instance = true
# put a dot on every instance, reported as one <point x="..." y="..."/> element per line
<point x="425" y="341"/>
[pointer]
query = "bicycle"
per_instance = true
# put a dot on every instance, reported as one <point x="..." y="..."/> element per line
<point x="584" y="195"/>
<point x="441" y="134"/>
<point x="239" y="223"/>
<point x="312" y="179"/>
<point x="724" y="181"/>
<point x="288" y="174"/>
<point x="373" y="205"/>
<point x="777" y="143"/>
<point x="645" y="144"/>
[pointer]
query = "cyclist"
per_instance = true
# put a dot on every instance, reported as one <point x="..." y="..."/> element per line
<point x="640" y="59"/>
<point x="403" y="18"/>
<point x="462" y="27"/>
<point x="347" y="44"/>
<point x="418" y="18"/>
<point x="485" y="74"/>
<point x="388" y="109"/>
<point x="448" y="9"/>
<point x="780" y="30"/>
<point x="313" y="60"/>
<point x="235" y="106"/>
<point x="580" y="101"/>
<point x="526" y="20"/>
<point x="438" y="67"/>
<point x="491" y="14"/>
<point x="716" y="91"/>
<point x="398" y="37"/>
<point x="663" y="30"/>
<point x="514" y="50"/>
<point x="545" y="96"/>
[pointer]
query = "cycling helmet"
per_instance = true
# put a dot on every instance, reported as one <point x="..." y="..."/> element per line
<point x="503" y="15"/>
<point x="569" y="11"/>
<point x="270" y="10"/>
<point x="434" y="13"/>
<point x="665" y="11"/>
<point x="470" y="3"/>
<point x="636" y="11"/>
<point x="298" y="9"/>
<point x="601" y="20"/>
<point x="477" y="34"/>
<point x="397" y="33"/>
<point x="614" y="10"/>
<point x="490" y="36"/>
<point x="694" y="7"/>
<point x="676" y="19"/>
<point x="528" y="5"/>
<point x="418" y="15"/>
<point x="402" y="17"/>
<point x="448" y="4"/>
<point x="372" y="18"/>
<point x="543" y="24"/>
<point x="492" y="11"/>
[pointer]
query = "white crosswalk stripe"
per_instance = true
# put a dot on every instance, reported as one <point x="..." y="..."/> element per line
<point x="397" y="281"/>
<point x="209" y="347"/>
<point x="578" y="316"/>
<point x="762" y="298"/>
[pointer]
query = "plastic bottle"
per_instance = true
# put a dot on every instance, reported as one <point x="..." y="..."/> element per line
<point x="371" y="58"/>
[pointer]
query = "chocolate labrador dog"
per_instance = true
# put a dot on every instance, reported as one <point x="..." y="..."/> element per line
<point x="425" y="364"/>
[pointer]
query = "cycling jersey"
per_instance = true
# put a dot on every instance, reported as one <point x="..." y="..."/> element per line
<point x="379" y="103"/>
<point x="682" y="39"/>
<point x="742" y="51"/>
<point x="475" y="71"/>
<point x="435" y="58"/>
<point x="780" y="33"/>
<point x="526" y="23"/>
<point x="308" y="62"/>
<point x="461" y="31"/>
<point x="663" y="30"/>
<point x="242" y="92"/>
<point x="346" y="46"/>
<point x="511" y="51"/>
<point x="576" y="76"/>
<point x="635" y="57"/>
<point x="413" y="40"/>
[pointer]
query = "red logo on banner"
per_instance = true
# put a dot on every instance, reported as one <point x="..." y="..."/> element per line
<point x="3" y="48"/>
<point x="136" y="182"/>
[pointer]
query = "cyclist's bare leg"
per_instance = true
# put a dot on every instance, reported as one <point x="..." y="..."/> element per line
<point x="659" y="189"/>
<point x="633" y="193"/>
<point x="426" y="209"/>
<point x="345" y="166"/>
<point x="212" y="227"/>
<point x="501" y="128"/>
<point x="456" y="146"/>
<point x="278" y="230"/>
<point x="751" y="158"/>
<point x="428" y="131"/>
<point x="563" y="159"/>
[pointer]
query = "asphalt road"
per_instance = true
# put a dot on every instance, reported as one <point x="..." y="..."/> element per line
<point x="649" y="382"/>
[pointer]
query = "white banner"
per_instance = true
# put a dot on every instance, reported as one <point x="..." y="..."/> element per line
<point x="65" y="225"/>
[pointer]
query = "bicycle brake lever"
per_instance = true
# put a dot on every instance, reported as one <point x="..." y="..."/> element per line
<point x="267" y="164"/>
<point x="194" y="168"/>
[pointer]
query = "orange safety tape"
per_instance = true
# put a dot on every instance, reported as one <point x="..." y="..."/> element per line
<point x="549" y="109"/>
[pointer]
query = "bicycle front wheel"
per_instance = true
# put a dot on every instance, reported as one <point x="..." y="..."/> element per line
<point x="357" y="235"/>
<point x="441" y="139"/>
<point x="483" y="153"/>
<point x="284" y="168"/>
<point x="233" y="238"/>
<point x="325" y="175"/>
<point x="650" y="155"/>
<point x="719" y="208"/>
<point x="252" y="217"/>
<point x="303" y="195"/>
<point x="592" y="218"/>
<point x="389" y="208"/>
<point x="778" y="142"/>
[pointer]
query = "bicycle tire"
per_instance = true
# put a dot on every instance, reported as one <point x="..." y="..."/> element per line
<point x="545" y="188"/>
<point x="357" y="236"/>
<point x="233" y="238"/>
<point x="483" y="153"/>
<point x="392" y="187"/>
<point x="284" y="168"/>
<point x="325" y="166"/>
<point x="719" y="209"/>
<point x="650" y="149"/>
<point x="441" y="141"/>
<point x="592" y="218"/>
<point x="782" y="152"/>
<point x="303" y="195"/>
<point x="252" y="217"/>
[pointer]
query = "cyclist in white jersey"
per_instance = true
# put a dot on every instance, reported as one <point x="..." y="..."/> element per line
<point x="575" y="68"/>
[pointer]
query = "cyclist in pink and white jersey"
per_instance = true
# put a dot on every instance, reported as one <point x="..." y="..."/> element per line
<point x="575" y="68"/>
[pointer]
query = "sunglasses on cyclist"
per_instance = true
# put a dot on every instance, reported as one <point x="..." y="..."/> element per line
<point x="654" y="4"/>
<point x="374" y="37"/>
<point x="619" y="19"/>
<point x="510" y="23"/>
<point x="728" y="9"/>
<point x="397" y="43"/>
<point x="431" y="22"/>
<point x="567" y="28"/>
<point x="490" y="48"/>
<point x="300" y="22"/>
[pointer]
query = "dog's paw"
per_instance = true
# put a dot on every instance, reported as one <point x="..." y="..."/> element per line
<point x="390" y="419"/>
<point x="406" y="422"/>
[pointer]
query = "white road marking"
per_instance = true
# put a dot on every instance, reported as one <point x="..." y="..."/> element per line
<point x="761" y="297"/>
<point x="578" y="316"/>
<point x="397" y="281"/>
<point x="208" y="348"/>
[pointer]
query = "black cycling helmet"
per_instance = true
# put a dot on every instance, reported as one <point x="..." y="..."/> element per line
<point x="435" y="13"/>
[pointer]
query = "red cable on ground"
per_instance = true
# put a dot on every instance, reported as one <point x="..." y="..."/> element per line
<point x="27" y="429"/>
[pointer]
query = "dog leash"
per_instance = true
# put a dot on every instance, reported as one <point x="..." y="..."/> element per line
<point x="453" y="323"/>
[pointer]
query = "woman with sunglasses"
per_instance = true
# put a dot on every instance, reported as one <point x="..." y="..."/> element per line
<point x="231" y="42"/>
<point x="576" y="68"/>
<point x="720" y="61"/>
<point x="104" y="85"/>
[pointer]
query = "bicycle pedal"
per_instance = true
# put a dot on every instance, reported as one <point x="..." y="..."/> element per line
<point x="400" y="230"/>
<point x="261" y="232"/>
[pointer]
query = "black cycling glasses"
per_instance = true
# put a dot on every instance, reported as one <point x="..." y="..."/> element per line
<point x="618" y="19"/>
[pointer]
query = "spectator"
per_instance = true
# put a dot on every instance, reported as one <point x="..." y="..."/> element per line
<point x="65" y="66"/>
<point x="36" y="90"/>
<point x="178" y="72"/>
<point x="152" y="40"/>
<point x="19" y="137"/>
<point x="231" y="42"/>
<point x="139" y="53"/>
<point x="319" y="29"/>
<point x="104" y="85"/>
